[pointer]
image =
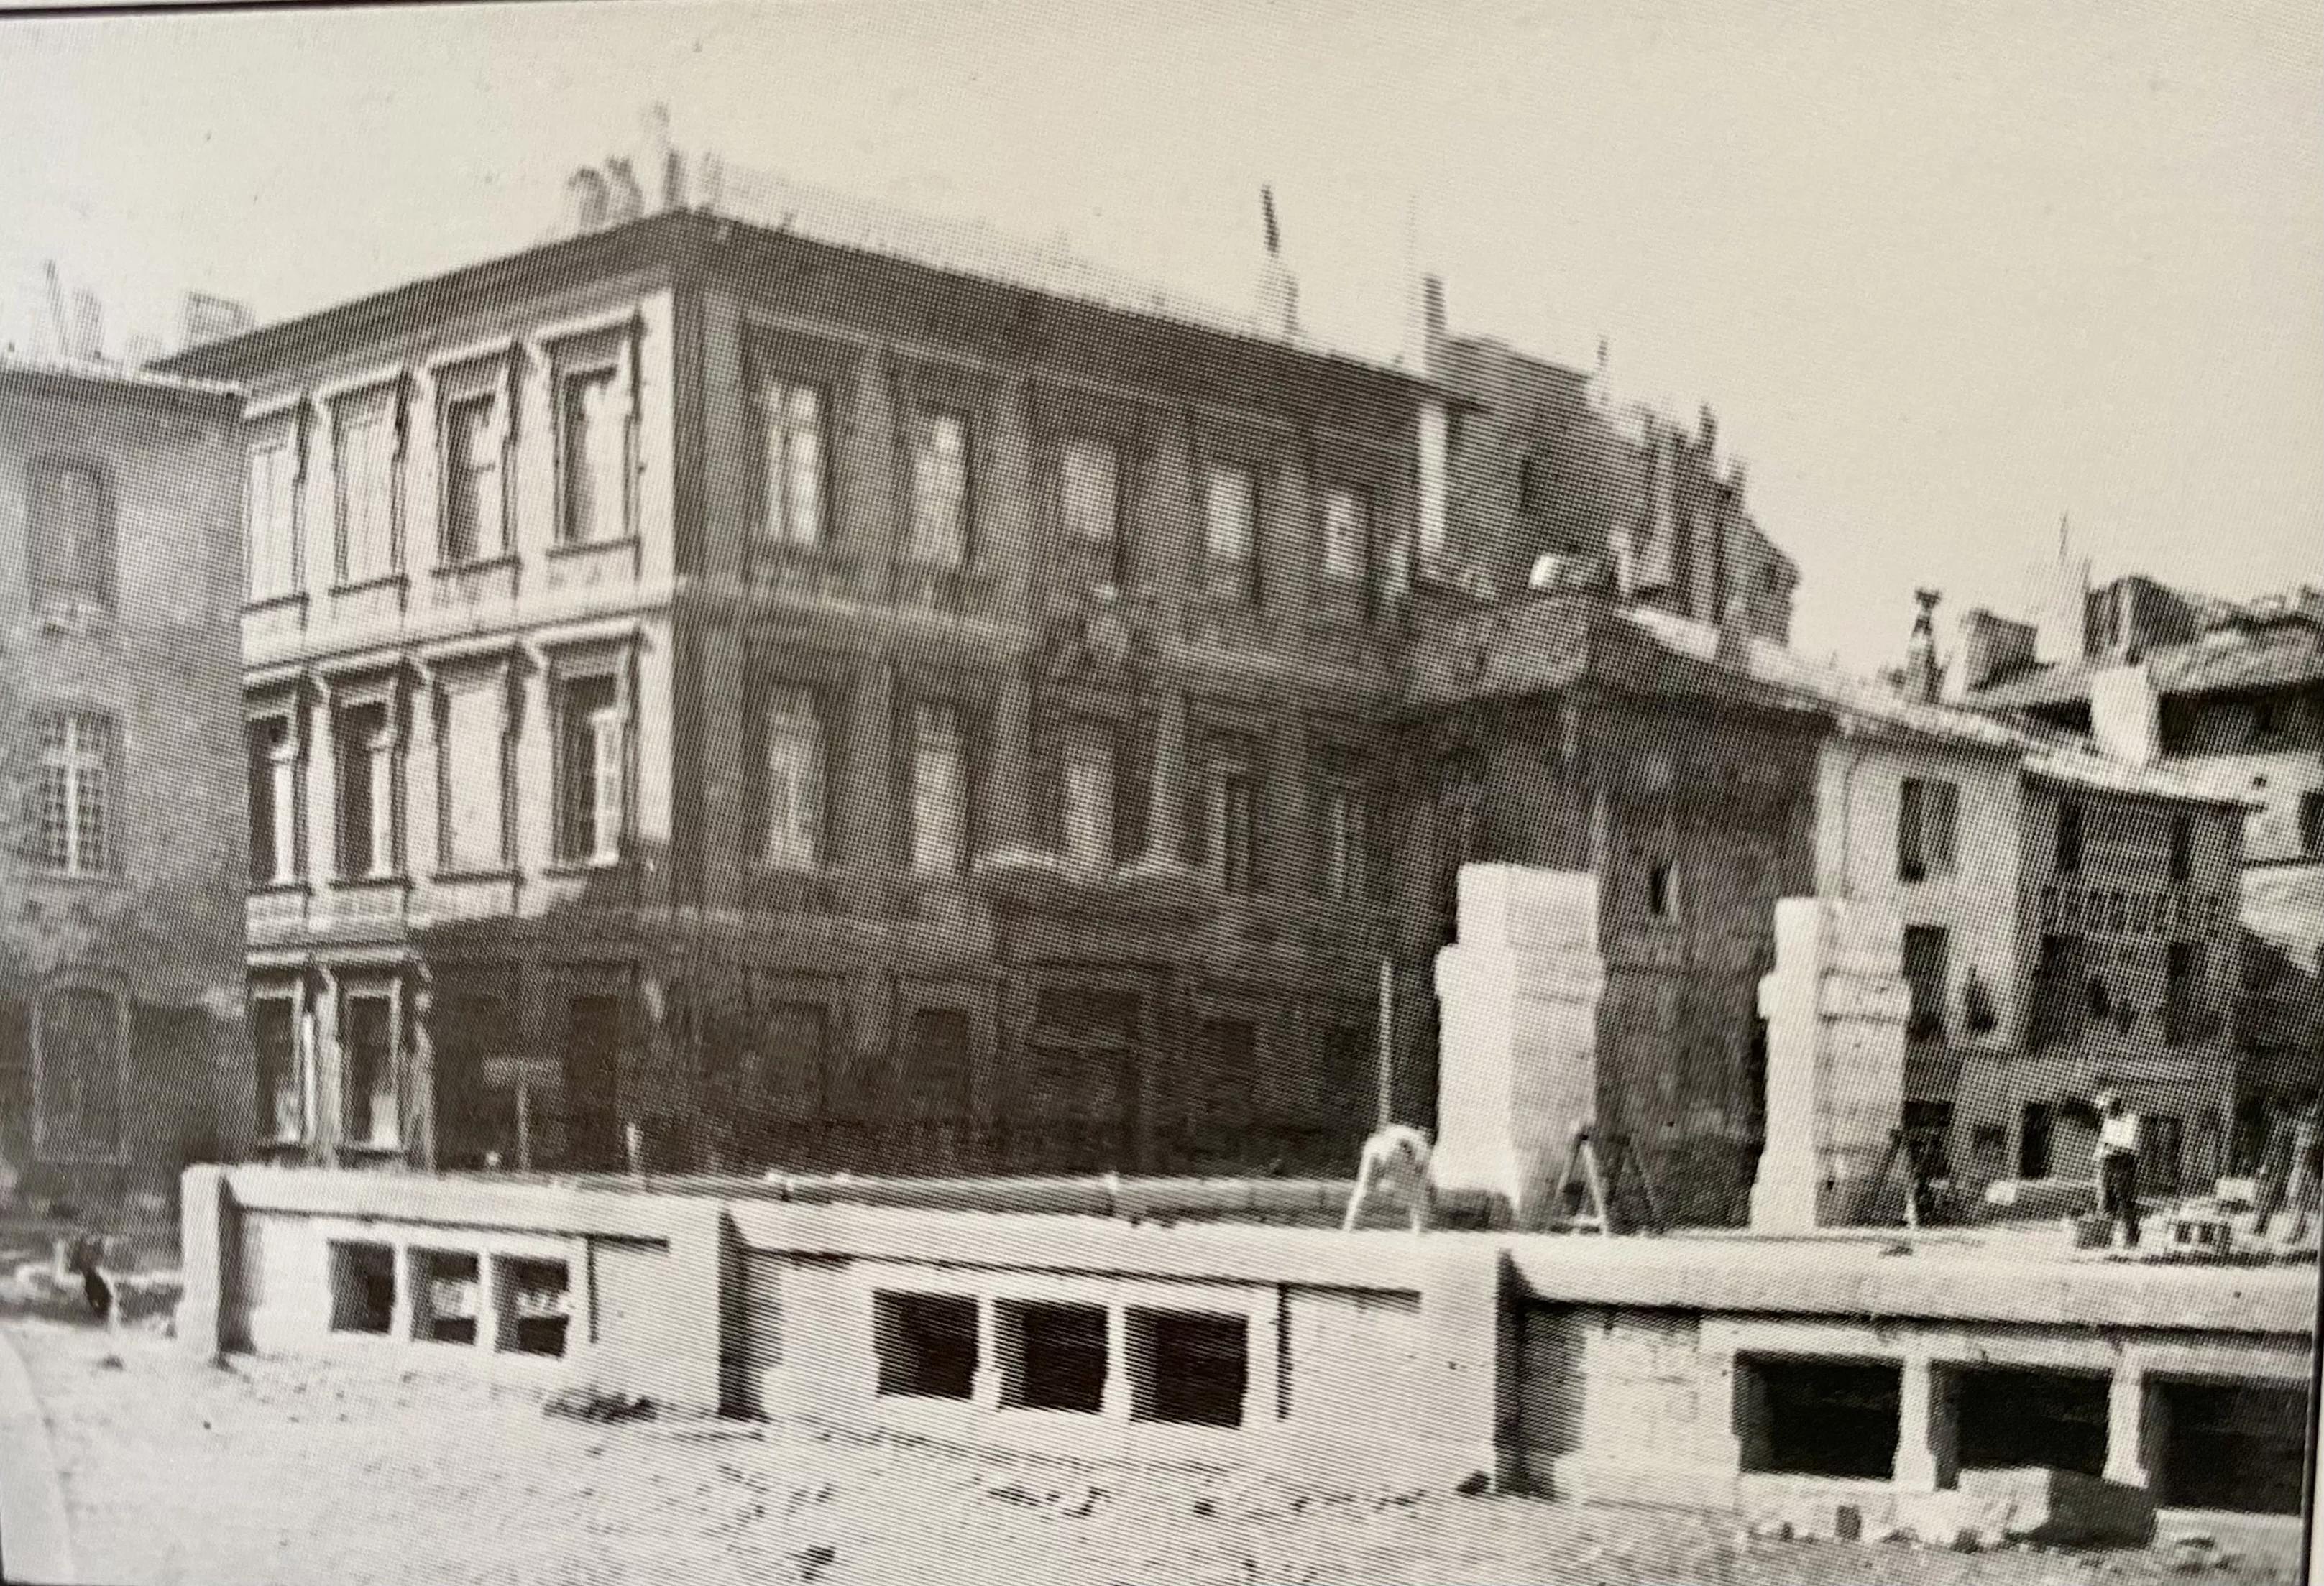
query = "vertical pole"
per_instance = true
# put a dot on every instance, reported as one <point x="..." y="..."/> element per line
<point x="1386" y="1041"/>
<point x="524" y="1124"/>
<point x="633" y="1144"/>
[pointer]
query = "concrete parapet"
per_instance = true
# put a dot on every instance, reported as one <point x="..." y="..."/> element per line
<point x="1517" y="1065"/>
<point x="1836" y="1006"/>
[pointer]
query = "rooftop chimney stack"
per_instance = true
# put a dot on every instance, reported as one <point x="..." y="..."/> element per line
<point x="586" y="201"/>
<point x="87" y="326"/>
<point x="1278" y="289"/>
<point x="2062" y="591"/>
<point x="660" y="167"/>
<point x="1921" y="674"/>
<point x="625" y="201"/>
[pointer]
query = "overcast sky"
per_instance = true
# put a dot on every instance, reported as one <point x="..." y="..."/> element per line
<point x="1943" y="271"/>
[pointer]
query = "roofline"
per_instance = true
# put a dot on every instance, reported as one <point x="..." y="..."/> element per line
<point x="677" y="239"/>
<point x="125" y="381"/>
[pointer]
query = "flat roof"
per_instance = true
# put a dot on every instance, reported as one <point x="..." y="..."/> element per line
<point x="82" y="371"/>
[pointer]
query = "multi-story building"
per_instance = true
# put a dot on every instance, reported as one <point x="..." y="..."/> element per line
<point x="1547" y="461"/>
<point x="776" y="696"/>
<point x="2230" y="696"/>
<point x="120" y="883"/>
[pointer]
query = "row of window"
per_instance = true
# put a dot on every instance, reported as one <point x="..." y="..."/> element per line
<point x="1928" y="816"/>
<point x="596" y="461"/>
<point x="591" y="721"/>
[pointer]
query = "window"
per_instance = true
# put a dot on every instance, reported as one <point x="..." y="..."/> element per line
<point x="274" y="1043"/>
<point x="595" y="756"/>
<point x="365" y="447"/>
<point x="940" y="491"/>
<point x="2182" y="847"/>
<point x="1230" y="532"/>
<point x="1662" y="889"/>
<point x="2058" y="994"/>
<point x="1927" y="815"/>
<point x="73" y="805"/>
<point x="1532" y="485"/>
<point x="1086" y="794"/>
<point x="473" y="768"/>
<point x="939" y="791"/>
<point x="367" y="1048"/>
<point x="1346" y="536"/>
<point x="795" y="779"/>
<point x="274" y="753"/>
<point x="594" y="445"/>
<point x="2070" y="838"/>
<point x="272" y="506"/>
<point x="475" y="511"/>
<point x="72" y="537"/>
<point x="1346" y="821"/>
<point x="367" y="792"/>
<point x="793" y="459"/>
<point x="2267" y="720"/>
<point x="1928" y="950"/>
<point x="1230" y="825"/>
<point x="925" y="1344"/>
<point x="1089" y="492"/>
<point x="2183" y="993"/>
<point x="2035" y="1123"/>
<point x="2161" y="1144"/>
<point x="2311" y="825"/>
<point x="939" y="1059"/>
<point x="79" y="1041"/>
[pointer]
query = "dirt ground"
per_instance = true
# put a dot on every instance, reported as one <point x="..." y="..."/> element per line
<point x="268" y="1471"/>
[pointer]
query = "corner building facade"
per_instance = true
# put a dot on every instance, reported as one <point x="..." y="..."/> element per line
<point x="784" y="705"/>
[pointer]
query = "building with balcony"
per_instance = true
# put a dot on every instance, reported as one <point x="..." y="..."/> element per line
<point x="121" y="879"/>
<point x="726" y="695"/>
<point x="2230" y="696"/>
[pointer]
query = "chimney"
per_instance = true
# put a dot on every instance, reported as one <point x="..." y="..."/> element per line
<point x="2125" y="716"/>
<point x="1992" y="647"/>
<point x="1278" y="289"/>
<point x="87" y="326"/>
<point x="586" y="198"/>
<point x="207" y="318"/>
<point x="1920" y="675"/>
<point x="625" y="201"/>
<point x="659" y="167"/>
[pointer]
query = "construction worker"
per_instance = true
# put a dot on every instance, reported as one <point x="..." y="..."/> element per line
<point x="2117" y="1155"/>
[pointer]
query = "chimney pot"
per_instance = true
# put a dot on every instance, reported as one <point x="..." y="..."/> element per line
<point x="585" y="200"/>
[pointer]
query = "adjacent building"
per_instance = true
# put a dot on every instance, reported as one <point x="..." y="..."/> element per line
<point x="2231" y="696"/>
<point x="722" y="694"/>
<point x="121" y="920"/>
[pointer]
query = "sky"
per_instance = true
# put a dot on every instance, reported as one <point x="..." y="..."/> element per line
<point x="1945" y="272"/>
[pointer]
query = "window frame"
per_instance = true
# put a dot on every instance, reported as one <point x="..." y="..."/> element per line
<point x="614" y="355"/>
<point x="267" y="1113"/>
<point x="496" y="678"/>
<point x="1109" y="545"/>
<point x="1230" y="578"/>
<point x="1344" y="868"/>
<point x="921" y="715"/>
<point x="51" y="603"/>
<point x="387" y="754"/>
<point x="70" y="762"/>
<point x="49" y="1141"/>
<point x="284" y="767"/>
<point x="771" y="387"/>
<point x="1928" y="829"/>
<point x="1086" y="741"/>
<point x="922" y="426"/>
<point x="285" y="431"/>
<point x="811" y="851"/>
<point x="1235" y="866"/>
<point x="382" y="404"/>
<point x="391" y="990"/>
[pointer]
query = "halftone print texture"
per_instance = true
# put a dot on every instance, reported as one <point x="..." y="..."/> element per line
<point x="763" y="886"/>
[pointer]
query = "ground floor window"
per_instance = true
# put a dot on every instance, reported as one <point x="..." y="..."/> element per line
<point x="274" y="1047"/>
<point x="79" y="1041"/>
<point x="367" y="1040"/>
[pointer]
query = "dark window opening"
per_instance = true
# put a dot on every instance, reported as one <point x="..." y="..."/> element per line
<point x="2033" y="1140"/>
<point x="925" y="1344"/>
<point x="362" y="1287"/>
<point x="2069" y="838"/>
<point x="2058" y="991"/>
<point x="2182" y="847"/>
<point x="1928" y="950"/>
<point x="2160" y="1140"/>
<point x="1928" y="1126"/>
<point x="1052" y="1357"/>
<point x="2182" y="993"/>
<point x="2009" y="1419"/>
<point x="1189" y="1368"/>
<point x="535" y="1306"/>
<point x="446" y="1294"/>
<point x="274" y="1044"/>
<point x="2230" y="1446"/>
<point x="1661" y="896"/>
<point x="1825" y="1417"/>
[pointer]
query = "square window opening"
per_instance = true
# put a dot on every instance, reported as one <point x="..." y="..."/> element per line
<point x="536" y="1305"/>
<point x="926" y="1344"/>
<point x="1188" y="1368"/>
<point x="1822" y="1417"/>
<point x="362" y="1287"/>
<point x="446" y="1296"/>
<point x="2231" y="1445"/>
<point x="2010" y="1419"/>
<point x="1052" y="1357"/>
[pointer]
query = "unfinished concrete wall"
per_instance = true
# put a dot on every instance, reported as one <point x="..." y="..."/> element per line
<point x="1518" y="1064"/>
<point x="1836" y="1007"/>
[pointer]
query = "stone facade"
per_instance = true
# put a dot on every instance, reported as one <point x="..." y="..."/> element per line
<point x="120" y="783"/>
<point x="862" y="908"/>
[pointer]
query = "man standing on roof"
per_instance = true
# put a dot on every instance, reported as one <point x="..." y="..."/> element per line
<point x="2118" y="1163"/>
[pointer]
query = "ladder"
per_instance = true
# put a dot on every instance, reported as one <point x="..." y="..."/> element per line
<point x="1599" y="1181"/>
